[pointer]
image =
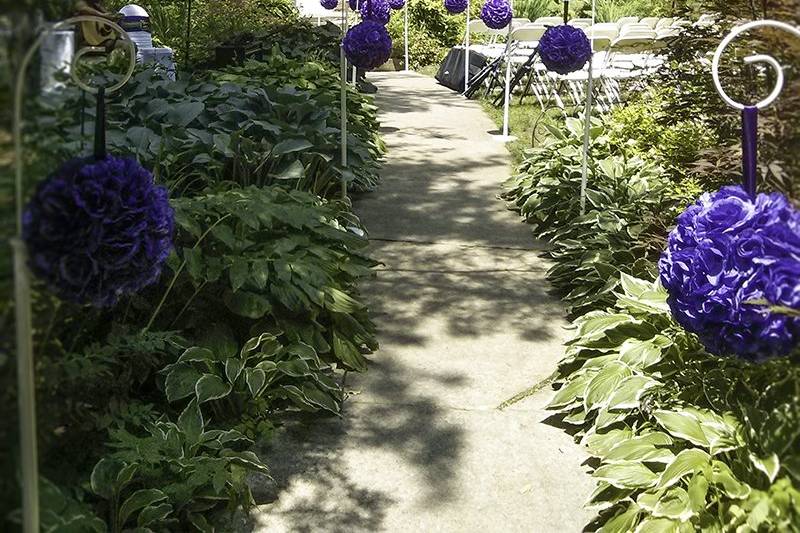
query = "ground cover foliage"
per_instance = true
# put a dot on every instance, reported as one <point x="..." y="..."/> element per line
<point x="680" y="440"/>
<point x="148" y="410"/>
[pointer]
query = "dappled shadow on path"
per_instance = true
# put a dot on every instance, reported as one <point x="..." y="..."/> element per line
<point x="322" y="468"/>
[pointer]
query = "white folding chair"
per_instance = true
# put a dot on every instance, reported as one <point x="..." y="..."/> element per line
<point x="580" y="21"/>
<point x="650" y="21"/>
<point x="665" y="22"/>
<point x="627" y="20"/>
<point x="550" y="21"/>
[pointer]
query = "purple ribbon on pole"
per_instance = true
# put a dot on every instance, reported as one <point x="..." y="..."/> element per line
<point x="749" y="149"/>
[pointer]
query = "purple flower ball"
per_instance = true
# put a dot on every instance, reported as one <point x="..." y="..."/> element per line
<point x="329" y="4"/>
<point x="397" y="4"/>
<point x="455" y="6"/>
<point x="354" y="4"/>
<point x="367" y="45"/>
<point x="496" y="14"/>
<point x="376" y="10"/>
<point x="728" y="252"/>
<point x="564" y="49"/>
<point x="98" y="229"/>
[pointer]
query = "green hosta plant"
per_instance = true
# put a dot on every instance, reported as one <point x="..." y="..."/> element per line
<point x="262" y="260"/>
<point x="172" y="475"/>
<point x="261" y="374"/>
<point x="672" y="455"/>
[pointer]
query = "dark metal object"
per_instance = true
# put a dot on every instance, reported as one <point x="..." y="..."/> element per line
<point x="750" y="149"/>
<point x="100" y="125"/>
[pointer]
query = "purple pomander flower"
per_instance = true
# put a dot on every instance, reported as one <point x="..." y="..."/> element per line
<point x="496" y="14"/>
<point x="376" y="10"/>
<point x="367" y="45"/>
<point x="727" y="253"/>
<point x="329" y="4"/>
<point x="564" y="49"/>
<point x="455" y="6"/>
<point x="397" y="4"/>
<point x="354" y="4"/>
<point x="98" y="230"/>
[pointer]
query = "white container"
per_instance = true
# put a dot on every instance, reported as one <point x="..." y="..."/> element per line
<point x="57" y="51"/>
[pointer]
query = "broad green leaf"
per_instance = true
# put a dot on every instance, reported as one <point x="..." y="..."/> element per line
<point x="198" y="354"/>
<point x="191" y="422"/>
<point x="138" y="500"/>
<point x="686" y="462"/>
<point x="628" y="475"/>
<point x="238" y="273"/>
<point x="154" y="514"/>
<point x="634" y="287"/>
<point x="220" y="339"/>
<point x="683" y="425"/>
<point x="721" y="475"/>
<point x="638" y="449"/>
<point x="348" y="353"/>
<point x="291" y="145"/>
<point x="674" y="504"/>
<point x="103" y="477"/>
<point x="211" y="387"/>
<point x="595" y="324"/>
<point x="629" y="391"/>
<point x="623" y="522"/>
<point x="601" y="444"/>
<point x="640" y="354"/>
<point x="697" y="490"/>
<point x="770" y="465"/>
<point x="571" y="391"/>
<point x="181" y="381"/>
<point x="255" y="379"/>
<point x="604" y="384"/>
<point x="182" y="114"/>
<point x="233" y="367"/>
<point x="247" y="304"/>
<point x="658" y="525"/>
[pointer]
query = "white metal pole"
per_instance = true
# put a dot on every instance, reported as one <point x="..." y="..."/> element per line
<point x="355" y="71"/>
<point x="466" y="53"/>
<point x="587" y="117"/>
<point x="405" y="36"/>
<point x="507" y="90"/>
<point x="343" y="97"/>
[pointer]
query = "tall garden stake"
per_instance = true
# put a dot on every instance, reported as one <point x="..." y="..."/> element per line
<point x="587" y="113"/>
<point x="750" y="112"/>
<point x="22" y="287"/>
<point x="343" y="97"/>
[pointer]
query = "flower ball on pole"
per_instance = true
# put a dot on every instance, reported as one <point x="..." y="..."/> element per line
<point x="496" y="14"/>
<point x="98" y="229"/>
<point x="376" y="10"/>
<point x="564" y="49"/>
<point x="367" y="45"/>
<point x="456" y="6"/>
<point x="732" y="271"/>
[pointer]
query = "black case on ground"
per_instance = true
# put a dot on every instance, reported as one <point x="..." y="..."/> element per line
<point x="451" y="72"/>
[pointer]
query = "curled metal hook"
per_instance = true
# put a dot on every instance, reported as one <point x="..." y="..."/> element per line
<point x="753" y="59"/>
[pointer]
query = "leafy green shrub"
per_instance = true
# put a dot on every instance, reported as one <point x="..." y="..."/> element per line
<point x="277" y="261"/>
<point x="643" y="125"/>
<point x="263" y="123"/>
<point x="684" y="441"/>
<point x="629" y="204"/>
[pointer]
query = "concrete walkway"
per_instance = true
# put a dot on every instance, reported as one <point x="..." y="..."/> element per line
<point x="465" y="322"/>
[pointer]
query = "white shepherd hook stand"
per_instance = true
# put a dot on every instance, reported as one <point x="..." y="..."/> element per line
<point x="22" y="289"/>
<point x="750" y="112"/>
